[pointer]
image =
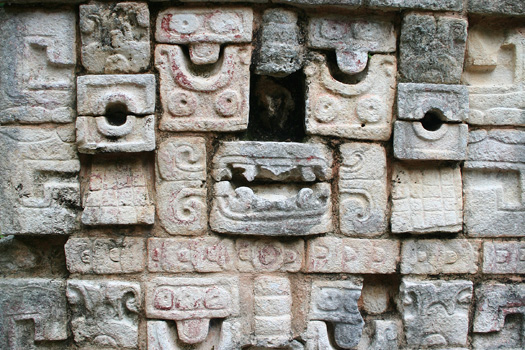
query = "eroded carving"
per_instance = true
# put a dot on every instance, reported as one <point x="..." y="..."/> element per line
<point x="269" y="255"/>
<point x="504" y="257"/>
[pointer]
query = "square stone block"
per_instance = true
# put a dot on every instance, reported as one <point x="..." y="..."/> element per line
<point x="504" y="257"/>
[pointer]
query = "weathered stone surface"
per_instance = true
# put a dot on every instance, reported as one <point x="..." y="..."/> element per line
<point x="118" y="193"/>
<point x="281" y="51"/>
<point x="316" y="336"/>
<point x="115" y="37"/>
<point x="35" y="307"/>
<point x="435" y="313"/>
<point x="104" y="313"/>
<point x="336" y="302"/>
<point x="38" y="56"/>
<point x="504" y="7"/>
<point x="375" y="296"/>
<point x="363" y="196"/>
<point x="434" y="5"/>
<point x="426" y="199"/>
<point x="192" y="302"/>
<point x="348" y="255"/>
<point x="218" y="101"/>
<point x="345" y="3"/>
<point x="494" y="186"/>
<point x="182" y="159"/>
<point x="385" y="335"/>
<point x="361" y="110"/>
<point x="495" y="74"/>
<point x="352" y="39"/>
<point x="269" y="255"/>
<point x="105" y="255"/>
<point x="504" y="257"/>
<point x="272" y="311"/>
<point x="433" y="257"/>
<point x="15" y="256"/>
<point x="432" y="48"/>
<point x="39" y="190"/>
<point x="510" y="337"/>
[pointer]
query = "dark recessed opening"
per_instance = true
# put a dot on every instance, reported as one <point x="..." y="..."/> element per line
<point x="116" y="113"/>
<point x="432" y="120"/>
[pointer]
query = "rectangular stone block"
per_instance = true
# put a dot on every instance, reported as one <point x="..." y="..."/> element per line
<point x="266" y="255"/>
<point x="433" y="257"/>
<point x="105" y="255"/>
<point x="115" y="37"/>
<point x="182" y="159"/>
<point x="104" y="313"/>
<point x="351" y="4"/>
<point x="426" y="199"/>
<point x="432" y="5"/>
<point x="348" y="255"/>
<point x="40" y="192"/>
<point x="425" y="37"/>
<point x="500" y="7"/>
<point x="504" y="257"/>
<point x="32" y="306"/>
<point x="363" y="195"/>
<point x="37" y="65"/>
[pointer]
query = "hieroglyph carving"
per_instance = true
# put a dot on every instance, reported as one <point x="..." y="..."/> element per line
<point x="504" y="257"/>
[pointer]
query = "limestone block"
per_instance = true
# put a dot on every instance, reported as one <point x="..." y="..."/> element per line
<point x="351" y="38"/>
<point x="182" y="159"/>
<point x="435" y="313"/>
<point x="336" y="302"/>
<point x="39" y="190"/>
<point x="118" y="192"/>
<point x="510" y="337"/>
<point x="115" y="37"/>
<point x="32" y="306"/>
<point x="269" y="255"/>
<point x="493" y="183"/>
<point x="105" y="255"/>
<point x="435" y="257"/>
<point x="504" y="7"/>
<point x="361" y="110"/>
<point x="316" y="336"/>
<point x="37" y="62"/>
<point x="363" y="195"/>
<point x="272" y="311"/>
<point x="205" y="29"/>
<point x="206" y="254"/>
<point x="426" y="199"/>
<point x="494" y="74"/>
<point x="16" y="256"/>
<point x="375" y="296"/>
<point x="349" y="255"/>
<point x="504" y="257"/>
<point x="432" y="48"/>
<point x="433" y="5"/>
<point x="104" y="313"/>
<point x="192" y="302"/>
<point x="385" y="335"/>
<point x="281" y="52"/>
<point x="346" y="3"/>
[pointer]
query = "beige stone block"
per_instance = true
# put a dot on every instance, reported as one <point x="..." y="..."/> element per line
<point x="504" y="257"/>
<point x="182" y="158"/>
<point x="269" y="255"/>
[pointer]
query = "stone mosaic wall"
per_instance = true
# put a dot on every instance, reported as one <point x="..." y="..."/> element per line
<point x="299" y="175"/>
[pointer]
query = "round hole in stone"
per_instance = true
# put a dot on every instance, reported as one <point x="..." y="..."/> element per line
<point x="116" y="113"/>
<point x="432" y="120"/>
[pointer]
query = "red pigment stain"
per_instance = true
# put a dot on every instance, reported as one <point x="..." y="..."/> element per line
<point x="165" y="24"/>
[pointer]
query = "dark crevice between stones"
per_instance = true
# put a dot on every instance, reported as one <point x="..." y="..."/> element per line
<point x="116" y="113"/>
<point x="433" y="120"/>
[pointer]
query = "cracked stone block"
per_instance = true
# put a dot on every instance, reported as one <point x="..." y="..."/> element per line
<point x="281" y="51"/>
<point x="272" y="311"/>
<point x="435" y="313"/>
<point x="192" y="302"/>
<point x="40" y="192"/>
<point x="432" y="48"/>
<point x="266" y="255"/>
<point x="433" y="257"/>
<point x="493" y="183"/>
<point x="385" y="335"/>
<point x="494" y="74"/>
<point x="504" y="257"/>
<point x="37" y="61"/>
<point x="104" y="313"/>
<point x="118" y="192"/>
<point x="503" y="7"/>
<point x="353" y="39"/>
<point x="206" y="254"/>
<point x="33" y="307"/>
<point x="115" y="37"/>
<point x="363" y="194"/>
<point x="426" y="199"/>
<point x="105" y="255"/>
<point x="433" y="5"/>
<point x="336" y="302"/>
<point x="357" y="110"/>
<point x="349" y="255"/>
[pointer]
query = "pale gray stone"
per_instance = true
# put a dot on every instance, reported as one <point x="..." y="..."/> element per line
<point x="496" y="146"/>
<point x="435" y="313"/>
<point x="510" y="337"/>
<point x="182" y="159"/>
<point x="104" y="313"/>
<point x="40" y="189"/>
<point x="426" y="199"/>
<point x="115" y="37"/>
<point x="105" y="255"/>
<point x="433" y="257"/>
<point x="37" y="61"/>
<point x="385" y="335"/>
<point x="33" y="307"/>
<point x="336" y="302"/>
<point x="433" y="5"/>
<point x="351" y="4"/>
<point x="375" y="297"/>
<point x="363" y="195"/>
<point x="504" y="257"/>
<point x="266" y="255"/>
<point x="192" y="302"/>
<point x="281" y="51"/>
<point x="432" y="48"/>
<point x="16" y="256"/>
<point x="499" y="7"/>
<point x="316" y="336"/>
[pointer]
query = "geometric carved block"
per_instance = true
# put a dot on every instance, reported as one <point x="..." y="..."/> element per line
<point x="504" y="257"/>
